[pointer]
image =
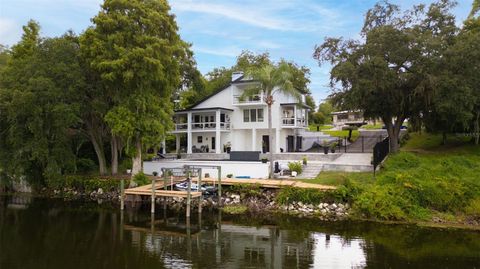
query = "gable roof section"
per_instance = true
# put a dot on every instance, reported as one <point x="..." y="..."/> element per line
<point x="215" y="92"/>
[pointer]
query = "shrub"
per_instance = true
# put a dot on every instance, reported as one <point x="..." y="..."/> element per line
<point x="295" y="166"/>
<point x="86" y="165"/>
<point x="235" y="209"/>
<point x="247" y="190"/>
<point x="84" y="183"/>
<point x="230" y="175"/>
<point x="141" y="179"/>
<point x="473" y="209"/>
<point x="304" y="160"/>
<point x="307" y="196"/>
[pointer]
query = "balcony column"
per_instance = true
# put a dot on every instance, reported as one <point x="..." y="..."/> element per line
<point x="177" y="143"/>
<point x="189" y="133"/>
<point x="218" y="150"/>
<point x="277" y="140"/>
<point x="254" y="139"/>
<point x="295" y="115"/>
<point x="306" y="117"/>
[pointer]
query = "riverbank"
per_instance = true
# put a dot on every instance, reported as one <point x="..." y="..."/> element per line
<point x="255" y="201"/>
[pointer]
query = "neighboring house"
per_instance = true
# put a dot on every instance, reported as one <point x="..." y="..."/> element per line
<point x="343" y="118"/>
<point x="225" y="121"/>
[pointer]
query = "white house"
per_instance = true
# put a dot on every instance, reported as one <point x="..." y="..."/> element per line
<point x="349" y="117"/>
<point x="226" y="120"/>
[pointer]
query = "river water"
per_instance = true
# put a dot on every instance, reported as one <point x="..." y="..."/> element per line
<point x="52" y="233"/>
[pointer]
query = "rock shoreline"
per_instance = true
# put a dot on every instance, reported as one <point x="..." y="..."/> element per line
<point x="264" y="202"/>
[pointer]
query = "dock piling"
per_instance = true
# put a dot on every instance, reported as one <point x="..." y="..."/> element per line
<point x="122" y="194"/>
<point x="152" y="209"/>
<point x="219" y="186"/>
<point x="165" y="178"/>
<point x="200" y="198"/>
<point x="189" y="190"/>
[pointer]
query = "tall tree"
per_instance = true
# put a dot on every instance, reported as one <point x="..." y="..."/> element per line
<point x="38" y="94"/>
<point x="272" y="79"/>
<point x="392" y="74"/>
<point x="137" y="50"/>
<point x="467" y="62"/>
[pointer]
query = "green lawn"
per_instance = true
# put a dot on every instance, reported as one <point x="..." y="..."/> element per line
<point x="339" y="178"/>
<point x="343" y="134"/>
<point x="372" y="127"/>
<point x="313" y="128"/>
<point x="423" y="181"/>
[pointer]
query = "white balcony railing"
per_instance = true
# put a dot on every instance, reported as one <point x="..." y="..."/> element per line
<point x="254" y="99"/>
<point x="202" y="126"/>
<point x="300" y="122"/>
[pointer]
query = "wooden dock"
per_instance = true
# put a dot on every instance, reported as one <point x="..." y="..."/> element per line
<point x="146" y="190"/>
<point x="269" y="183"/>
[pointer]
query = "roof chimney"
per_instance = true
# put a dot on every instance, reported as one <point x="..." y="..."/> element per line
<point x="236" y="75"/>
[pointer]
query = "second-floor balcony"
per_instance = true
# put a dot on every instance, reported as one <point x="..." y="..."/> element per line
<point x="196" y="126"/>
<point x="294" y="122"/>
<point x="248" y="100"/>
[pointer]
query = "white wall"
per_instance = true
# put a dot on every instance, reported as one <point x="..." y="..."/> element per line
<point x="241" y="135"/>
<point x="252" y="169"/>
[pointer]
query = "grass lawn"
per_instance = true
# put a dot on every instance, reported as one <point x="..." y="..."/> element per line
<point x="425" y="180"/>
<point x="343" y="134"/>
<point x="339" y="178"/>
<point x="372" y="127"/>
<point x="313" y="128"/>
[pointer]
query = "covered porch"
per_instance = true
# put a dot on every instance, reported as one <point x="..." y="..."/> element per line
<point x="294" y="115"/>
<point x="202" y="130"/>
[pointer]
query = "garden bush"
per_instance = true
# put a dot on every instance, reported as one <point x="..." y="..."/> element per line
<point x="141" y="179"/>
<point x="295" y="166"/>
<point x="308" y="196"/>
<point x="247" y="190"/>
<point x="83" y="183"/>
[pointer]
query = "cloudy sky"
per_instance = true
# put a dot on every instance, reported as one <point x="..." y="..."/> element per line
<point x="220" y="30"/>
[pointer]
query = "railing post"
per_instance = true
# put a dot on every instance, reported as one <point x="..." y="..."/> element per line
<point x="164" y="170"/>
<point x="345" y="144"/>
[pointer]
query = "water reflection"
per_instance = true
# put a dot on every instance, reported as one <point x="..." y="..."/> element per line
<point x="58" y="234"/>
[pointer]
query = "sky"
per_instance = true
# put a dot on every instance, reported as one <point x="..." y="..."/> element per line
<point x="220" y="30"/>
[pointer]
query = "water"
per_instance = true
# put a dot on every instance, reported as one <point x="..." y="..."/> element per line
<point x="51" y="233"/>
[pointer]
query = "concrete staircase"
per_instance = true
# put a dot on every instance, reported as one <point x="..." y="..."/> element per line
<point x="311" y="170"/>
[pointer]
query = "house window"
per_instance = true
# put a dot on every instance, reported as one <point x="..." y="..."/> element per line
<point x="260" y="115"/>
<point x="253" y="115"/>
<point x="246" y="115"/>
<point x="199" y="139"/>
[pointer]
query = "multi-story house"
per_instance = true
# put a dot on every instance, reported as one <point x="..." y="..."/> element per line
<point x="226" y="120"/>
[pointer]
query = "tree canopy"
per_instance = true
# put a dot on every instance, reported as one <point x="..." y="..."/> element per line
<point x="395" y="71"/>
<point x="135" y="47"/>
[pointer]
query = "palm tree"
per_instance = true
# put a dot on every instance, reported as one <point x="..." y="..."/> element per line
<point x="271" y="79"/>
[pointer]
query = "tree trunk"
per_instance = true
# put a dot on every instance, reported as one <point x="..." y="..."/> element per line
<point x="98" y="147"/>
<point x="444" y="138"/>
<point x="114" y="152"/>
<point x="137" y="159"/>
<point x="393" y="131"/>
<point x="477" y="128"/>
<point x="270" y="138"/>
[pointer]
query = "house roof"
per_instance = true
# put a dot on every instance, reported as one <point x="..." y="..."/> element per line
<point x="217" y="91"/>
<point x="239" y="80"/>
<point x="202" y="109"/>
